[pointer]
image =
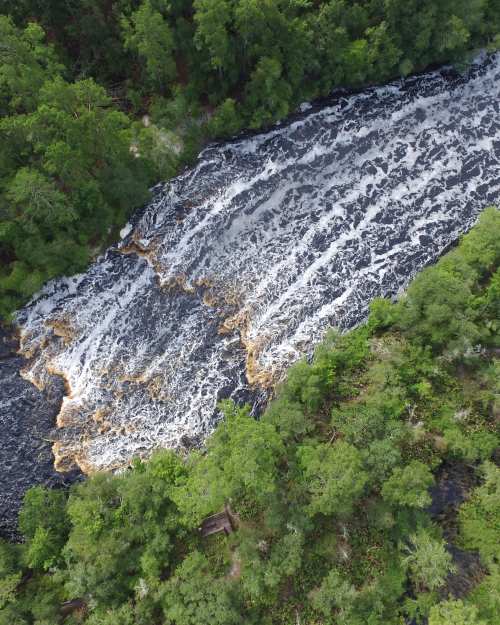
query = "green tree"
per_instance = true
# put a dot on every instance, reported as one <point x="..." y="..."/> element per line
<point x="409" y="486"/>
<point x="67" y="178"/>
<point x="87" y="32"/>
<point x="486" y="595"/>
<point x="480" y="248"/>
<point x="356" y="62"/>
<point x="213" y="18"/>
<point x="337" y="595"/>
<point x="10" y="574"/>
<point x="193" y="596"/>
<point x="241" y="465"/>
<point x="380" y="459"/>
<point x="289" y="418"/>
<point x="427" y="561"/>
<point x="382" y="314"/>
<point x="492" y="302"/>
<point x="149" y="35"/>
<point x="426" y="30"/>
<point x="124" y="529"/>
<point x="383" y="54"/>
<point x="437" y="310"/>
<point x="332" y="41"/>
<point x="265" y="566"/>
<point x="45" y="525"/>
<point x="377" y="418"/>
<point x="480" y="516"/>
<point x="226" y="120"/>
<point x="277" y="30"/>
<point x="267" y="94"/>
<point x="454" y="612"/>
<point x="26" y="63"/>
<point x="333" y="477"/>
<point x="455" y="37"/>
<point x="471" y="446"/>
<point x="42" y="204"/>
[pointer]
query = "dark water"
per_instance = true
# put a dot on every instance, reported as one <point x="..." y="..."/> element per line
<point x="27" y="417"/>
<point x="454" y="483"/>
<point x="239" y="265"/>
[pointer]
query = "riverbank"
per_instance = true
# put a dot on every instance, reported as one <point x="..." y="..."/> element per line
<point x="239" y="265"/>
<point x="367" y="492"/>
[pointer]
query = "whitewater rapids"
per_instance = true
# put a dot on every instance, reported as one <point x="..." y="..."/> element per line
<point x="238" y="266"/>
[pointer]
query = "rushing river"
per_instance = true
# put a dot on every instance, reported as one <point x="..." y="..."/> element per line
<point x="238" y="266"/>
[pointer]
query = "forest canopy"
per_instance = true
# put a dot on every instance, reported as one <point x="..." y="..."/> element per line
<point x="368" y="493"/>
<point x="77" y="76"/>
<point x="335" y="490"/>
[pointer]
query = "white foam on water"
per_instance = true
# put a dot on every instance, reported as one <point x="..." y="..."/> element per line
<point x="291" y="232"/>
<point x="126" y="230"/>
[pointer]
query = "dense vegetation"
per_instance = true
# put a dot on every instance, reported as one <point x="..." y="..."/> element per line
<point x="331" y="487"/>
<point x="75" y="73"/>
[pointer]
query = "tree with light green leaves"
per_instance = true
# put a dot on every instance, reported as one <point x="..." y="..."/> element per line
<point x="454" y="612"/>
<point x="45" y="526"/>
<point x="480" y="516"/>
<point x="333" y="477"/>
<point x="194" y="596"/>
<point x="427" y="561"/>
<point x="241" y="467"/>
<point x="409" y="486"/>
<point x="335" y="596"/>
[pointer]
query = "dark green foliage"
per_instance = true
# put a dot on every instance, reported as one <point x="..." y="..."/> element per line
<point x="480" y="517"/>
<point x="330" y="487"/>
<point x="409" y="486"/>
<point x="67" y="176"/>
<point x="193" y="596"/>
<point x="45" y="525"/>
<point x="333" y="477"/>
<point x="87" y="32"/>
<point x="148" y="34"/>
<point x="331" y="511"/>
<point x="201" y="69"/>
<point x="303" y="47"/>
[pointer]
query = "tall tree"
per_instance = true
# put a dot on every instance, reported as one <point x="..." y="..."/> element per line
<point x="333" y="477"/>
<point x="427" y="561"/>
<point x="148" y="34"/>
<point x="409" y="486"/>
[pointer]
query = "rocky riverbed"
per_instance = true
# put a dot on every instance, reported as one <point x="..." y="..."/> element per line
<point x="239" y="265"/>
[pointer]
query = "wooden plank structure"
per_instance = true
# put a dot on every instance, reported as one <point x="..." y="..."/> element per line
<point x="220" y="522"/>
<point x="75" y="605"/>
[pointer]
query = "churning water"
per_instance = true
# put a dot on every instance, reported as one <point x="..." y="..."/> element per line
<point x="239" y="265"/>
